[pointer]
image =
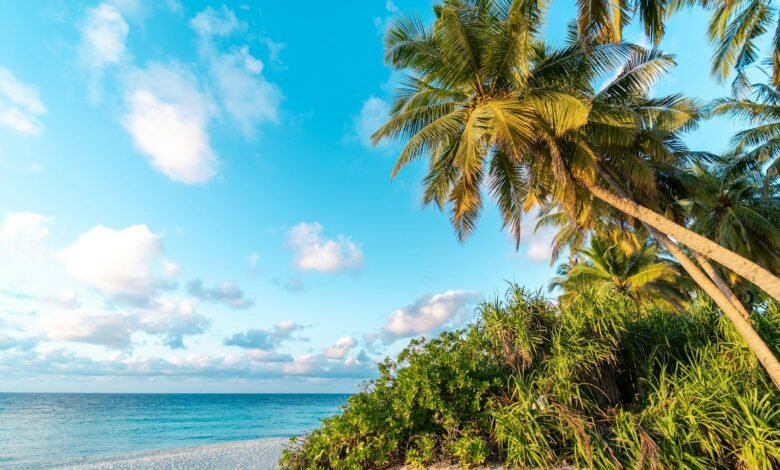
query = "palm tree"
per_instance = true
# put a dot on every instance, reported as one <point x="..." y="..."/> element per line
<point x="490" y="103"/>
<point x="735" y="29"/>
<point x="761" y="141"/>
<point x="736" y="204"/>
<point x="638" y="273"/>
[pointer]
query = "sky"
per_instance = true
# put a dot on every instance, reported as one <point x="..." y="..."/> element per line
<point x="189" y="201"/>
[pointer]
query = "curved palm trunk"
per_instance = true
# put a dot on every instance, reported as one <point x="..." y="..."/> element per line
<point x="721" y="283"/>
<point x="703" y="262"/>
<point x="743" y="327"/>
<point x="707" y="248"/>
<point x="741" y="324"/>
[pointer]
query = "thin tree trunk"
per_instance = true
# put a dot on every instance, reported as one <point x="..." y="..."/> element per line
<point x="709" y="249"/>
<point x="721" y="283"/>
<point x="743" y="327"/>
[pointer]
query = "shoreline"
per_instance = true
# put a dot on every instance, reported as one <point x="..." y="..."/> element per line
<point x="255" y="454"/>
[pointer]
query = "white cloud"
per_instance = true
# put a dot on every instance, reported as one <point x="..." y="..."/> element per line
<point x="211" y="22"/>
<point x="23" y="232"/>
<point x="64" y="363"/>
<point x="247" y="96"/>
<point x="540" y="247"/>
<point x="373" y="114"/>
<point x="167" y="116"/>
<point x="226" y="292"/>
<point x="65" y="298"/>
<point x="171" y="269"/>
<point x="340" y="348"/>
<point x="261" y="355"/>
<point x="245" y="93"/>
<point x="317" y="365"/>
<point x="253" y="259"/>
<point x="117" y="262"/>
<point x="20" y="104"/>
<point x="313" y="252"/>
<point x="23" y="229"/>
<point x="103" y="36"/>
<point x="170" y="320"/>
<point x="428" y="314"/>
<point x="264" y="339"/>
<point x="539" y="243"/>
<point x="22" y="344"/>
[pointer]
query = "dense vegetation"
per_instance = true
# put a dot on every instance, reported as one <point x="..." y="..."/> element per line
<point x="604" y="382"/>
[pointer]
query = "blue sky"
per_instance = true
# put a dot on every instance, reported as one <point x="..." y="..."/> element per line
<point x="190" y="202"/>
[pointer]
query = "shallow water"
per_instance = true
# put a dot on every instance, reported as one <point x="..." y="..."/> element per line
<point x="44" y="429"/>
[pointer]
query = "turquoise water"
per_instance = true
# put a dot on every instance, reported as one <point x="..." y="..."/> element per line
<point x="44" y="429"/>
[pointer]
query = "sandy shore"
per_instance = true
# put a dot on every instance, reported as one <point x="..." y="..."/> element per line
<point x="260" y="454"/>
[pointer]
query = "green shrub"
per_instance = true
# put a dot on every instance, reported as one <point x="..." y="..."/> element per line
<point x="602" y="383"/>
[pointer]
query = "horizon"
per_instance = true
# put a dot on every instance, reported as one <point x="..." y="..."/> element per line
<point x="185" y="208"/>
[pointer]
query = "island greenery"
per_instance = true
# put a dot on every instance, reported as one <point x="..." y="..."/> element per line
<point x="660" y="348"/>
<point x="602" y="382"/>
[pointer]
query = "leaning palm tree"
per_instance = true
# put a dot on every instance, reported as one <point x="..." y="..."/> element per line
<point x="489" y="103"/>
<point x="638" y="273"/>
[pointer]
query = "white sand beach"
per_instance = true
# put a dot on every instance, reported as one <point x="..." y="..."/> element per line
<point x="259" y="454"/>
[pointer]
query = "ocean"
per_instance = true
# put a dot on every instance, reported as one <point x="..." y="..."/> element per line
<point x="44" y="429"/>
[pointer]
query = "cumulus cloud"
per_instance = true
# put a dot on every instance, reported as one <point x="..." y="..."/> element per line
<point x="428" y="314"/>
<point x="340" y="348"/>
<point x="215" y="22"/>
<point x="23" y="232"/>
<point x="248" y="97"/>
<point x="264" y="339"/>
<point x="103" y="36"/>
<point x="373" y="114"/>
<point x="540" y="247"/>
<point x="171" y="269"/>
<point x="539" y="243"/>
<point x="20" y="105"/>
<point x="226" y="293"/>
<point x="317" y="365"/>
<point x="313" y="252"/>
<point x="168" y="319"/>
<point x="65" y="298"/>
<point x="21" y="344"/>
<point x="167" y="117"/>
<point x="262" y="355"/>
<point x="244" y="92"/>
<point x="116" y="262"/>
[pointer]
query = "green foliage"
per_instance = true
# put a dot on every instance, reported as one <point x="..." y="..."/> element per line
<point x="602" y="382"/>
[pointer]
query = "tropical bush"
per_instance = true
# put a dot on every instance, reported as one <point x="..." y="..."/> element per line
<point x="602" y="382"/>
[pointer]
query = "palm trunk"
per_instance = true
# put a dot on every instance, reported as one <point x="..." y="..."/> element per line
<point x="743" y="327"/>
<point x="709" y="249"/>
<point x="722" y="285"/>
<point x="703" y="262"/>
<point x="740" y="322"/>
